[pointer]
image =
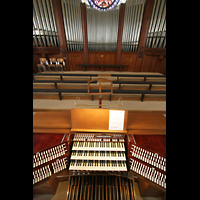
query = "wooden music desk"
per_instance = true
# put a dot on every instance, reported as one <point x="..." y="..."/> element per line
<point x="139" y="122"/>
<point x="52" y="122"/>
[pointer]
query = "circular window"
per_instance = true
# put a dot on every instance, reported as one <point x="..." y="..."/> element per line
<point x="103" y="4"/>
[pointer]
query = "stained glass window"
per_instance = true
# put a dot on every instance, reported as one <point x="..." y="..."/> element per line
<point x="103" y="4"/>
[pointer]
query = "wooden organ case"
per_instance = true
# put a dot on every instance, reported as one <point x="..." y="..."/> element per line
<point x="99" y="163"/>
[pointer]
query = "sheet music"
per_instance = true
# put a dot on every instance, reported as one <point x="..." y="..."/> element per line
<point x="116" y="119"/>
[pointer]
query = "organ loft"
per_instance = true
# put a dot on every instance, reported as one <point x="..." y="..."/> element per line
<point x="102" y="155"/>
<point x="87" y="51"/>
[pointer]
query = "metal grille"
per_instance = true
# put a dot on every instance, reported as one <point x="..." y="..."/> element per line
<point x="102" y="29"/>
<point x="157" y="29"/>
<point x="132" y="24"/>
<point x="71" y="11"/>
<point x="44" y="26"/>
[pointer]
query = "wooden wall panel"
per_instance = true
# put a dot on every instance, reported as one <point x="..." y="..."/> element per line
<point x="102" y="57"/>
<point x="146" y="63"/>
<point x="128" y="58"/>
<point x="75" y="58"/>
<point x="154" y="63"/>
<point x="35" y="62"/>
<point x="151" y="62"/>
<point x="163" y="66"/>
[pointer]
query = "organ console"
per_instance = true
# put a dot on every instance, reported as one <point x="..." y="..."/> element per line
<point x="100" y="161"/>
<point x="98" y="153"/>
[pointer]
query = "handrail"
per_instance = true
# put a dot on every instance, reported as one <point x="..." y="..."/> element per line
<point x="119" y="91"/>
<point x="61" y="81"/>
<point x="103" y="90"/>
<point x="139" y="75"/>
<point x="62" y="74"/>
<point x="142" y="92"/>
<point x="84" y="81"/>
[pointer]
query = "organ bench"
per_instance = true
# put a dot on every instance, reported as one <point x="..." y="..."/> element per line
<point x="98" y="162"/>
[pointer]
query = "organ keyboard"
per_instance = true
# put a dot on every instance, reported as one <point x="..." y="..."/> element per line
<point x="96" y="153"/>
<point x="100" y="153"/>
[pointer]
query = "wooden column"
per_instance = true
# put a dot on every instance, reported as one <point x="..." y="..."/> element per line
<point x="59" y="22"/>
<point x="144" y="32"/>
<point x="120" y="33"/>
<point x="84" y="31"/>
<point x="61" y="31"/>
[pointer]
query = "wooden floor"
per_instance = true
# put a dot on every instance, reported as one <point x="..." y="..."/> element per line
<point x="57" y="105"/>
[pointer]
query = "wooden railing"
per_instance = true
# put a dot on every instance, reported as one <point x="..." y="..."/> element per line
<point x="115" y="91"/>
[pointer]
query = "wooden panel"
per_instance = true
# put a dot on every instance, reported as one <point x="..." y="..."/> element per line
<point x="152" y="142"/>
<point x="52" y="120"/>
<point x="35" y="62"/>
<point x="75" y="58"/>
<point x="44" y="141"/>
<point x="144" y="121"/>
<point x="163" y="65"/>
<point x="147" y="190"/>
<point x="46" y="50"/>
<point x="43" y="189"/>
<point x="154" y="63"/>
<point x="51" y="130"/>
<point x="53" y="183"/>
<point x="102" y="57"/>
<point x="96" y="120"/>
<point x="128" y="58"/>
<point x="147" y="132"/>
<point x="146" y="63"/>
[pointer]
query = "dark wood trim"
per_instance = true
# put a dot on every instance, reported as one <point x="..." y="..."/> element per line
<point x="148" y="9"/>
<point x="46" y="50"/>
<point x="145" y="23"/>
<point x="59" y="22"/>
<point x="61" y="31"/>
<point x="155" y="52"/>
<point x="84" y="31"/>
<point x="120" y="32"/>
